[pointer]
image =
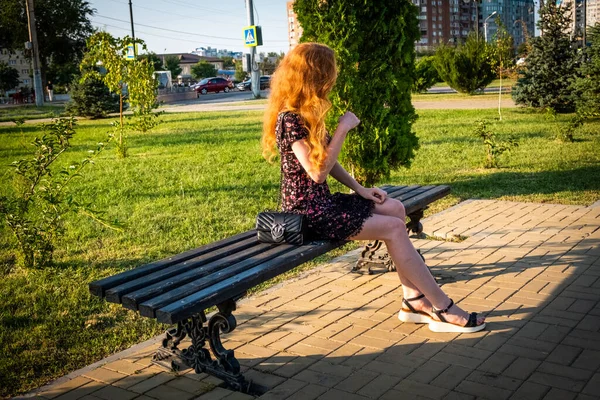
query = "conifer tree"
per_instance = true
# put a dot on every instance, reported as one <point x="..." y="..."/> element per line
<point x="551" y="65"/>
<point x="374" y="44"/>
<point x="587" y="85"/>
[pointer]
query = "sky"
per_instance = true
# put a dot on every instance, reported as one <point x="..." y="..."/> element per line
<point x="180" y="26"/>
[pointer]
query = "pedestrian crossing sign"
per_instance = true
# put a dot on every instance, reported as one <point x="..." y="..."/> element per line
<point x="252" y="36"/>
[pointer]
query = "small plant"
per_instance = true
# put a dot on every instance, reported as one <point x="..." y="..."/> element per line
<point x="35" y="210"/>
<point x="565" y="131"/>
<point x="494" y="149"/>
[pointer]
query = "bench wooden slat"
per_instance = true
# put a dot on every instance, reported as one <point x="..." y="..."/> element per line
<point x="406" y="198"/>
<point x="431" y="195"/>
<point x="115" y="294"/>
<point x="223" y="290"/>
<point x="133" y="299"/>
<point x="99" y="287"/>
<point x="396" y="191"/>
<point x="149" y="307"/>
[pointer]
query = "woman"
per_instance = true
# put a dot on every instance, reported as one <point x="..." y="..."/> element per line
<point x="294" y="123"/>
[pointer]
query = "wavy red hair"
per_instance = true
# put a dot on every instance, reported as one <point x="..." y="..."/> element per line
<point x="301" y="85"/>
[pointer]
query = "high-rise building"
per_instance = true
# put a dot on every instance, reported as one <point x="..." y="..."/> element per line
<point x="22" y="64"/>
<point x="517" y="16"/>
<point x="447" y="21"/>
<point x="294" y="28"/>
<point x="593" y="12"/>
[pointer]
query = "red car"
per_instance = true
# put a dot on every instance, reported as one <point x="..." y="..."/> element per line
<point x="212" y="85"/>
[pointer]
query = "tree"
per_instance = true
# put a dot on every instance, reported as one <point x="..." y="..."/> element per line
<point x="92" y="98"/>
<point x="374" y="44"/>
<point x="203" y="69"/>
<point x="135" y="76"/>
<point x="425" y="74"/>
<point x="504" y="51"/>
<point x="172" y="64"/>
<point x="551" y="65"/>
<point x="62" y="29"/>
<point x="240" y="75"/>
<point x="228" y="62"/>
<point x="9" y="77"/>
<point x="586" y="87"/>
<point x="467" y="67"/>
<point x="153" y="59"/>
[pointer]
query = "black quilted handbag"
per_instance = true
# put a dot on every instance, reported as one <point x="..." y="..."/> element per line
<point x="280" y="227"/>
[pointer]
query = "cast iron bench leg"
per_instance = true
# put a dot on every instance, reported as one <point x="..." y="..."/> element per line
<point x="384" y="261"/>
<point x="225" y="366"/>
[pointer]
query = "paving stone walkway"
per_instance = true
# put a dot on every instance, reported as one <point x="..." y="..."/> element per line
<point x="534" y="269"/>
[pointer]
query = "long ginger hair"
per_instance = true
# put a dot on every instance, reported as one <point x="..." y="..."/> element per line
<point x="301" y="85"/>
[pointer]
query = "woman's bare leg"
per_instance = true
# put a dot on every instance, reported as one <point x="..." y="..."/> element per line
<point x="395" y="208"/>
<point x="392" y="231"/>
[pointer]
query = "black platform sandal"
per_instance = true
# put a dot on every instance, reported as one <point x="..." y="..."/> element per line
<point x="411" y="315"/>
<point x="444" y="326"/>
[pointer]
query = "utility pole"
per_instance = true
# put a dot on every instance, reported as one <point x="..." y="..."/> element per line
<point x="132" y="31"/>
<point x="253" y="62"/>
<point x="37" y="75"/>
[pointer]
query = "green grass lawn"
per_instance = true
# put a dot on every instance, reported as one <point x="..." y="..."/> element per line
<point x="200" y="177"/>
<point x="30" y="111"/>
<point x="495" y="83"/>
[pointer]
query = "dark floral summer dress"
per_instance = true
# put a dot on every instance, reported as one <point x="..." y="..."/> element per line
<point x="329" y="216"/>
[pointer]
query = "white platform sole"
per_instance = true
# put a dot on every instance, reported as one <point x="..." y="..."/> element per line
<point x="415" y="318"/>
<point x="437" y="326"/>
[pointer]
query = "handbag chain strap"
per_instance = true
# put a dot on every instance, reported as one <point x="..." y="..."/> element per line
<point x="279" y="198"/>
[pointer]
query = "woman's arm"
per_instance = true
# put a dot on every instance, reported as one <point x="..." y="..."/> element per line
<point x="301" y="149"/>
<point x="342" y="176"/>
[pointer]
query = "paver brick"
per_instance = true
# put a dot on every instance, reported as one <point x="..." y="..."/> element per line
<point x="188" y="385"/>
<point x="484" y="391"/>
<point x="559" y="394"/>
<point x="495" y="380"/>
<point x="57" y="390"/>
<point x="451" y="377"/>
<point x="264" y="380"/>
<point x="593" y="386"/>
<point x="564" y="354"/>
<point x="556" y="381"/>
<point x="588" y="359"/>
<point x="82" y="391"/>
<point x="104" y="375"/>
<point x="497" y="363"/>
<point x="152" y="382"/>
<point x="421" y="389"/>
<point x="215" y="394"/>
<point x="521" y="368"/>
<point x="356" y="381"/>
<point x="530" y="391"/>
<point x="428" y="371"/>
<point x="318" y="378"/>
<point x="295" y="366"/>
<point x="378" y="386"/>
<point x="284" y="391"/>
<point x="335" y="394"/>
<point x="309" y="392"/>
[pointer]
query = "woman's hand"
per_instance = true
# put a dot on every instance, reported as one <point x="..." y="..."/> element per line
<point x="348" y="121"/>
<point x="375" y="194"/>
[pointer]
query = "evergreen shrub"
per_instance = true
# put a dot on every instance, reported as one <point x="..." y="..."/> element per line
<point x="91" y="98"/>
<point x="374" y="45"/>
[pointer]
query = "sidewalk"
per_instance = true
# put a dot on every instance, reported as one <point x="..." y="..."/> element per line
<point x="534" y="269"/>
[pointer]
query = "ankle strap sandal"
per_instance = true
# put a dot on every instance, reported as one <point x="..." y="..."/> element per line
<point x="410" y="314"/>
<point x="444" y="326"/>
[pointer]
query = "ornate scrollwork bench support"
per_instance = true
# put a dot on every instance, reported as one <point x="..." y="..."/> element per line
<point x="224" y="365"/>
<point x="383" y="262"/>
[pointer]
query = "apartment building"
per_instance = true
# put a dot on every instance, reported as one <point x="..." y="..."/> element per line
<point x="579" y="18"/>
<point x="444" y="21"/>
<point x="294" y="28"/>
<point x="517" y="16"/>
<point x="18" y="61"/>
<point x="593" y="12"/>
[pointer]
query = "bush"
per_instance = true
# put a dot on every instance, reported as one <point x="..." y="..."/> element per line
<point x="35" y="211"/>
<point x="551" y="66"/>
<point x="586" y="87"/>
<point x="467" y="67"/>
<point x="91" y="98"/>
<point x="425" y="74"/>
<point x="493" y="148"/>
<point x="374" y="44"/>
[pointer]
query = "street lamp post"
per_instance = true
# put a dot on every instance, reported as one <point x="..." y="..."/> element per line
<point x="485" y="25"/>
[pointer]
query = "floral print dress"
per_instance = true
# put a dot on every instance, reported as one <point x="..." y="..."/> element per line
<point x="335" y="216"/>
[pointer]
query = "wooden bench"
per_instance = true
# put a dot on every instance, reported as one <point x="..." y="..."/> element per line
<point x="179" y="289"/>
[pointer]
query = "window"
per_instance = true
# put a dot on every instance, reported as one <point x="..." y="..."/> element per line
<point x="24" y="71"/>
<point x="12" y="62"/>
<point x="25" y="81"/>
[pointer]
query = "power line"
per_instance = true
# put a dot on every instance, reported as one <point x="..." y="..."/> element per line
<point x="176" y="14"/>
<point x="181" y="32"/>
<point x="216" y="10"/>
